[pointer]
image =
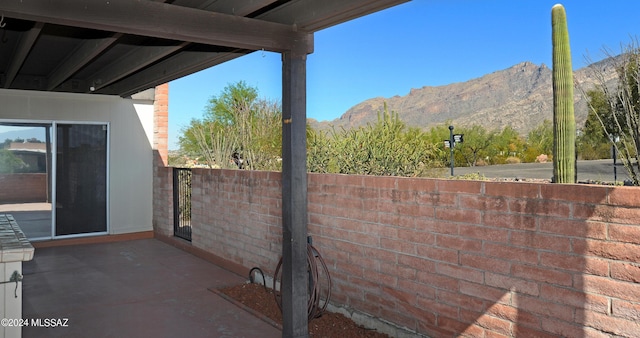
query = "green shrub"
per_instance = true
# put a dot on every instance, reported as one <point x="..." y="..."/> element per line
<point x="386" y="148"/>
<point x="513" y="160"/>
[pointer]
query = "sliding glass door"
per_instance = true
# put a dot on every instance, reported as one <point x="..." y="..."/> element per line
<point x="81" y="179"/>
<point x="25" y="176"/>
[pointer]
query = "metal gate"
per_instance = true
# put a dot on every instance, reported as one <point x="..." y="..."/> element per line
<point x="182" y="203"/>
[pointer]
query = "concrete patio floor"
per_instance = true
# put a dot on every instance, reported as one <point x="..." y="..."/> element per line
<point x="138" y="288"/>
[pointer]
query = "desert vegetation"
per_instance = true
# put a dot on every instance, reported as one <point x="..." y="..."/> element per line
<point x="614" y="111"/>
<point x="239" y="126"/>
<point x="241" y="130"/>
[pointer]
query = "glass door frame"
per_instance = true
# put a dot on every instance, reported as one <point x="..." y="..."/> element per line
<point x="53" y="174"/>
<point x="54" y="136"/>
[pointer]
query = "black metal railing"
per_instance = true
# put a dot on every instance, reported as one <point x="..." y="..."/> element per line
<point x="182" y="203"/>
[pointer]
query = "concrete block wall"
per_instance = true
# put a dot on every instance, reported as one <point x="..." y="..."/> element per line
<point x="237" y="215"/>
<point x="447" y="257"/>
<point x="23" y="188"/>
<point x="163" y="200"/>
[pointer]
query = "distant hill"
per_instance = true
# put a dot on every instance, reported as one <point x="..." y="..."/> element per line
<point x="520" y="96"/>
<point x="22" y="133"/>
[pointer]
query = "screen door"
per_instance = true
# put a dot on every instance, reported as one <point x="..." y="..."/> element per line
<point x="81" y="179"/>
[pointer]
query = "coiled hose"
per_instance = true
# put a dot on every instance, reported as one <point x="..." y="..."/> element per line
<point x="252" y="280"/>
<point x="317" y="293"/>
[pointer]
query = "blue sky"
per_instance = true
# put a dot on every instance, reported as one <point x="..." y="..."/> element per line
<point x="416" y="44"/>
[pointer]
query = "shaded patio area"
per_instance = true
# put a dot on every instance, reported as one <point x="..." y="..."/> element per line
<point x="138" y="288"/>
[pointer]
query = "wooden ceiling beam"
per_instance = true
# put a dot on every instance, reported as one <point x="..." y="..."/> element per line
<point x="313" y="15"/>
<point x="80" y="57"/>
<point x="182" y="64"/>
<point x="166" y="21"/>
<point x="145" y="55"/>
<point x="22" y="51"/>
<point x="234" y="7"/>
<point x="141" y="57"/>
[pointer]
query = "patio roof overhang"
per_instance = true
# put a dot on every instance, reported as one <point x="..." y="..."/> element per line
<point x="122" y="47"/>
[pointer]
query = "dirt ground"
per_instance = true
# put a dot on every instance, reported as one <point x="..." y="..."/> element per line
<point x="258" y="298"/>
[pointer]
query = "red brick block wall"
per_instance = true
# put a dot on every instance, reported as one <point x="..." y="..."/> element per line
<point x="163" y="200"/>
<point x="161" y="124"/>
<point x="23" y="188"/>
<point x="447" y="258"/>
<point x="236" y="215"/>
<point x="163" y="176"/>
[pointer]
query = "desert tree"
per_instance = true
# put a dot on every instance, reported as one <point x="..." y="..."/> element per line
<point x="10" y="163"/>
<point x="592" y="142"/>
<point x="477" y="144"/>
<point x="616" y="104"/>
<point x="507" y="146"/>
<point x="539" y="141"/>
<point x="238" y="130"/>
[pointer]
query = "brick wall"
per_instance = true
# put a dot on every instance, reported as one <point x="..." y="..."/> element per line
<point x="23" y="188"/>
<point x="163" y="200"/>
<point x="161" y="124"/>
<point x="162" y="175"/>
<point x="445" y="257"/>
<point x="237" y="215"/>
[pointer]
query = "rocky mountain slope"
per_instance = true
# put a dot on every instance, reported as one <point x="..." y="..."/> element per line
<point x="520" y="96"/>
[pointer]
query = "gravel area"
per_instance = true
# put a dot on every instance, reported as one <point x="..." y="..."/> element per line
<point x="262" y="301"/>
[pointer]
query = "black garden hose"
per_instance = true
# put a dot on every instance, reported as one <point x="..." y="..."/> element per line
<point x="264" y="281"/>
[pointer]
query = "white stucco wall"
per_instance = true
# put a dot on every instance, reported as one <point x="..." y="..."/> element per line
<point x="130" y="142"/>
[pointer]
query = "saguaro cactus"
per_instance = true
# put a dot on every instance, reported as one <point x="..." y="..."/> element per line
<point x="564" y="124"/>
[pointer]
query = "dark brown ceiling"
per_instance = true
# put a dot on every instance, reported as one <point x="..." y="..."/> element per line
<point x="121" y="47"/>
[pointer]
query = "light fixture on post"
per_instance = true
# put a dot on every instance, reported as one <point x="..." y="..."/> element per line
<point x="614" y="140"/>
<point x="451" y="143"/>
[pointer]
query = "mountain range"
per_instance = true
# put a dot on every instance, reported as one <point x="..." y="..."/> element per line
<point x="24" y="133"/>
<point x="520" y="96"/>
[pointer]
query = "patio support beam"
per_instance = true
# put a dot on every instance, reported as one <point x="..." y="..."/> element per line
<point x="160" y="20"/>
<point x="295" y="281"/>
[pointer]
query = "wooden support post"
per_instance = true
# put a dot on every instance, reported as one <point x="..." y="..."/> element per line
<point x="295" y="291"/>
